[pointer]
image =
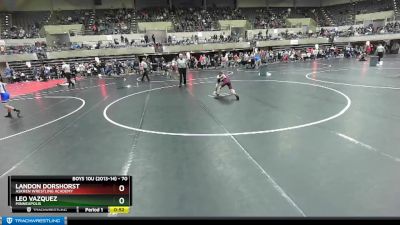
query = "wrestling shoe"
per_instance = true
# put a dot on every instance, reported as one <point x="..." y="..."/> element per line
<point x="18" y="112"/>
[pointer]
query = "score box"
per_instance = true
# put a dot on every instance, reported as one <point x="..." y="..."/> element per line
<point x="69" y="191"/>
<point x="78" y="209"/>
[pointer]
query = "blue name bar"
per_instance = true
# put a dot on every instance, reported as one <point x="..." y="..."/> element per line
<point x="17" y="220"/>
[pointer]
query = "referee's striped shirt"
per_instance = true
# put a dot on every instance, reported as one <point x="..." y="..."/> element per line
<point x="182" y="64"/>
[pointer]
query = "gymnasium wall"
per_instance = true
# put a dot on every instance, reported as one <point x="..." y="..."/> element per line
<point x="140" y="4"/>
<point x="89" y="4"/>
<point x="100" y="52"/>
<point x="72" y="4"/>
<point x="104" y="38"/>
<point x="60" y="29"/>
<point x="380" y="37"/>
<point x="221" y="3"/>
<point x="334" y="2"/>
<point x="206" y="47"/>
<point x="308" y="41"/>
<point x="308" y="3"/>
<point x="273" y="32"/>
<point x="41" y="5"/>
<point x="375" y="16"/>
<point x="197" y="48"/>
<point x="28" y="41"/>
<point x="144" y="26"/>
<point x="301" y="21"/>
<point x="279" y="3"/>
<point x="187" y="3"/>
<point x="251" y="3"/>
<point x="233" y="23"/>
<point x="201" y="35"/>
<point x="25" y="5"/>
<point x="44" y="5"/>
<point x="116" y="4"/>
<point x="18" y="57"/>
<point x="341" y="28"/>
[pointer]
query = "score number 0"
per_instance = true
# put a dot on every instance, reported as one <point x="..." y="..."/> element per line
<point x="121" y="200"/>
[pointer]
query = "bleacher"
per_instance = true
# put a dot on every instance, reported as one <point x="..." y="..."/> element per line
<point x="113" y="21"/>
<point x="195" y="19"/>
<point x="299" y="13"/>
<point x="189" y="19"/>
<point x="153" y="15"/>
<point x="340" y="14"/>
<point x="302" y="47"/>
<point x="263" y="18"/>
<point x="125" y="21"/>
<point x="85" y="17"/>
<point x="5" y="25"/>
<point x="371" y="6"/>
<point x="18" y="25"/>
<point x="67" y="17"/>
<point x="322" y="18"/>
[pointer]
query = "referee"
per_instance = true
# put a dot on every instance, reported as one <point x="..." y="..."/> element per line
<point x="145" y="69"/>
<point x="380" y="49"/>
<point x="67" y="72"/>
<point x="182" y="66"/>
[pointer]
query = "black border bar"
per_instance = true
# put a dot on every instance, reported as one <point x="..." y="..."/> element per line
<point x="230" y="220"/>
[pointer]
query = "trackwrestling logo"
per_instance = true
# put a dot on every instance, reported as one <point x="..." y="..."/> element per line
<point x="33" y="220"/>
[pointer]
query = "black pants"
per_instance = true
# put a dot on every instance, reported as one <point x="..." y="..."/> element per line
<point x="68" y="76"/>
<point x="182" y="74"/>
<point x="145" y="74"/>
<point x="263" y="70"/>
<point x="380" y="56"/>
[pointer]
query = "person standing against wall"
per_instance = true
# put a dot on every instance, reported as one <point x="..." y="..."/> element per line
<point x="182" y="66"/>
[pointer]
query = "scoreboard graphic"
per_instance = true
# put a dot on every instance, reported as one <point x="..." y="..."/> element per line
<point x="70" y="194"/>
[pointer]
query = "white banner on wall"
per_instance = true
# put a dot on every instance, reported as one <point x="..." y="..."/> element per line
<point x="294" y="42"/>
